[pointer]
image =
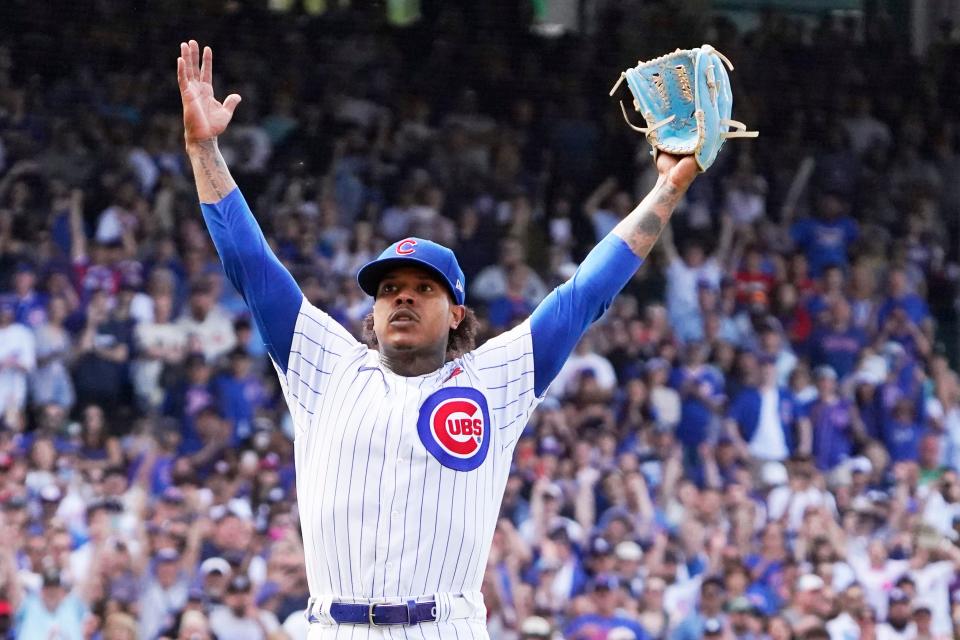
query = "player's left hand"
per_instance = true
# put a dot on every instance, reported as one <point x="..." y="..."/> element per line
<point x="204" y="117"/>
<point x="679" y="170"/>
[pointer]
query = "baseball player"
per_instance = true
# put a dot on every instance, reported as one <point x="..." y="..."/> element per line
<point x="403" y="451"/>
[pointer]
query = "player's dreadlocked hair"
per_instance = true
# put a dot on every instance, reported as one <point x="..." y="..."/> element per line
<point x="461" y="340"/>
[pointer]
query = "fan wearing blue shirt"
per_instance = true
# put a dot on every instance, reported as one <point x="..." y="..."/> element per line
<point x="826" y="238"/>
<point x="700" y="386"/>
<point x="901" y="296"/>
<point x="834" y="421"/>
<point x="53" y="612"/>
<point x="763" y="417"/>
<point x="607" y="594"/>
<point x="902" y="432"/>
<point x="838" y="343"/>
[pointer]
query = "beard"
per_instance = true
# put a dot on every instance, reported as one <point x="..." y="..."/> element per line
<point x="898" y="623"/>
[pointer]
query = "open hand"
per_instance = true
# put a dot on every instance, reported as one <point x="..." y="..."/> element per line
<point x="204" y="118"/>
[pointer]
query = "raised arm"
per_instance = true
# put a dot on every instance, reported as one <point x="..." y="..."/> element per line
<point x="557" y="324"/>
<point x="267" y="287"/>
<point x="204" y="118"/>
<point x="641" y="228"/>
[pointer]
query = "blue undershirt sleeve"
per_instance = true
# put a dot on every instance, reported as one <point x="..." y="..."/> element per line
<point x="266" y="286"/>
<point x="558" y="323"/>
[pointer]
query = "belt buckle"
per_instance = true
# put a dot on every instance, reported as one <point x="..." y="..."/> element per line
<point x="370" y="614"/>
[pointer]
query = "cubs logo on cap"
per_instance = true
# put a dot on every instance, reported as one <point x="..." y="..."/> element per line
<point x="434" y="257"/>
<point x="406" y="247"/>
<point x="454" y="425"/>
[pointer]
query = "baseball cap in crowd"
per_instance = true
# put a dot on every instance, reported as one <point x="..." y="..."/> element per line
<point x="628" y="551"/>
<point x="773" y="474"/>
<point x="215" y="565"/>
<point x="51" y="493"/>
<point x="558" y="532"/>
<point x="270" y="462"/>
<point x="621" y="633"/>
<point x="764" y="358"/>
<point x="712" y="627"/>
<point x="604" y="582"/>
<point x="535" y="627"/>
<point x="893" y="349"/>
<point x="172" y="495"/>
<point x="921" y="606"/>
<point x="52" y="578"/>
<point x="656" y="364"/>
<point x="600" y="547"/>
<point x="167" y="554"/>
<point x="553" y="490"/>
<point x="706" y="283"/>
<point x="740" y="604"/>
<point x="809" y="582"/>
<point x="860" y="464"/>
<point x="239" y="584"/>
<point x="898" y="596"/>
<point x="551" y="446"/>
<point x="196" y="594"/>
<point x="824" y="371"/>
<point x="436" y="258"/>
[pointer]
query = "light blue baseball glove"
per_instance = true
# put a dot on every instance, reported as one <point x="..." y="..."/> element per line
<point x="686" y="100"/>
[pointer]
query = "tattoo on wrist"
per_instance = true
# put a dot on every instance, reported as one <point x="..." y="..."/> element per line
<point x="215" y="175"/>
<point x="651" y="217"/>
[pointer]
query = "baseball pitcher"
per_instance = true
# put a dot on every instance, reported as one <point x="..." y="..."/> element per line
<point x="403" y="450"/>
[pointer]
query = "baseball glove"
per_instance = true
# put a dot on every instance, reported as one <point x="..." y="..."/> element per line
<point x="686" y="100"/>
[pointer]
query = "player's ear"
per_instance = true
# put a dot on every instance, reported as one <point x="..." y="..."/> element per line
<point x="457" y="313"/>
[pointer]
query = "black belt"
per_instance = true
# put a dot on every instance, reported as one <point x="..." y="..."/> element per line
<point x="411" y="613"/>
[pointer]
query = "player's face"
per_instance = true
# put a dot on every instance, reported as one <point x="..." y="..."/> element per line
<point x="413" y="311"/>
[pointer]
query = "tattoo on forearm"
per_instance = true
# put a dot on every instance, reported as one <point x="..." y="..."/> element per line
<point x="642" y="227"/>
<point x="213" y="178"/>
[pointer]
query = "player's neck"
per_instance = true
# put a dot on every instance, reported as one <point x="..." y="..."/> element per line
<point x="413" y="363"/>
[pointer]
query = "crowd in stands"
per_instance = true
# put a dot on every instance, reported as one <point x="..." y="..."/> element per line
<point x="760" y="440"/>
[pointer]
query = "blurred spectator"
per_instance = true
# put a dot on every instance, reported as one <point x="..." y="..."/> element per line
<point x="17" y="361"/>
<point x="764" y="417"/>
<point x="50" y="382"/>
<point x="207" y="327"/>
<point x="826" y="238"/>
<point x="493" y="282"/>
<point x="238" y="616"/>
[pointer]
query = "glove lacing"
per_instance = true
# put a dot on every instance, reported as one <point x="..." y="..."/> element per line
<point x="626" y="118"/>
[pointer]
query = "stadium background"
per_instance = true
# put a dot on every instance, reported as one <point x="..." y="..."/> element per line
<point x="146" y="475"/>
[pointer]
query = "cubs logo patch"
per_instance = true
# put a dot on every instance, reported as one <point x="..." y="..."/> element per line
<point x="453" y="426"/>
<point x="406" y="247"/>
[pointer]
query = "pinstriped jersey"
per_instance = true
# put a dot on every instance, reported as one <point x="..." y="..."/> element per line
<point x="399" y="478"/>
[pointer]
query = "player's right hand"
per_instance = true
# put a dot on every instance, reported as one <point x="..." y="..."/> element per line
<point x="204" y="118"/>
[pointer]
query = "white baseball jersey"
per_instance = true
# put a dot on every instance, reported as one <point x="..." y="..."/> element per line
<point x="400" y="479"/>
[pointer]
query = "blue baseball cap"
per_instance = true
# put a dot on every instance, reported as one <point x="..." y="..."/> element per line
<point x="415" y="252"/>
